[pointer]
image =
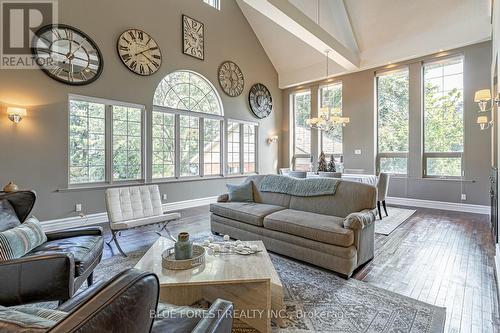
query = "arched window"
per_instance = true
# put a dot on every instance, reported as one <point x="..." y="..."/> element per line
<point x="187" y="127"/>
<point x="186" y="90"/>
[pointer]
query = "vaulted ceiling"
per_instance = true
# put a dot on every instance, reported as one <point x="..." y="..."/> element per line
<point x="360" y="34"/>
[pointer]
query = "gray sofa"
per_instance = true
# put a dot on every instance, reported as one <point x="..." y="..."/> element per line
<point x="331" y="231"/>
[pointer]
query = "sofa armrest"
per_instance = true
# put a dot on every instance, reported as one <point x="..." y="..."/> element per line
<point x="219" y="318"/>
<point x="223" y="198"/>
<point x="83" y="231"/>
<point x="37" y="278"/>
<point x="360" y="220"/>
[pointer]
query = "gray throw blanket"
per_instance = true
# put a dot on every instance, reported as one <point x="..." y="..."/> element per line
<point x="309" y="187"/>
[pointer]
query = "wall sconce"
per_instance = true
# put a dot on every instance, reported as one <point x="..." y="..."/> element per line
<point x="16" y="114"/>
<point x="483" y="122"/>
<point x="481" y="97"/>
<point x="272" y="139"/>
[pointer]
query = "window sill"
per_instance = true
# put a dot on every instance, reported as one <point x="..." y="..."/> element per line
<point x="154" y="182"/>
<point x="432" y="179"/>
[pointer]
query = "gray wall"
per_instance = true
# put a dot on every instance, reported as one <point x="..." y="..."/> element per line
<point x="34" y="153"/>
<point x="359" y="105"/>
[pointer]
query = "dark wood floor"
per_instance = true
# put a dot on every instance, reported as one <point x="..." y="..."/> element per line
<point x="439" y="257"/>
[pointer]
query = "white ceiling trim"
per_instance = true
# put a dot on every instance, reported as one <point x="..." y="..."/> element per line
<point x="290" y="18"/>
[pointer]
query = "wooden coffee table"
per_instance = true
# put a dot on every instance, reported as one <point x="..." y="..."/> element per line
<point x="250" y="282"/>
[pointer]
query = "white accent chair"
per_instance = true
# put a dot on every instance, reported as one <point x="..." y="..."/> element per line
<point x="133" y="207"/>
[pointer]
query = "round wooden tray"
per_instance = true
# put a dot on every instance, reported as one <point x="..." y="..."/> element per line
<point x="168" y="259"/>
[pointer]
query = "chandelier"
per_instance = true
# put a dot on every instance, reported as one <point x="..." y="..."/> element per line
<point x="328" y="117"/>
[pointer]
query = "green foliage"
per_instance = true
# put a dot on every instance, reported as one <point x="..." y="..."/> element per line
<point x="322" y="162"/>
<point x="331" y="164"/>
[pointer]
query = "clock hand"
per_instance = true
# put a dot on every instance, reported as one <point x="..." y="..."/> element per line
<point x="142" y="52"/>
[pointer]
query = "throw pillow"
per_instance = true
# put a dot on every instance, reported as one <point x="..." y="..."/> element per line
<point x="240" y="193"/>
<point x="16" y="242"/>
<point x="8" y="216"/>
<point x="18" y="319"/>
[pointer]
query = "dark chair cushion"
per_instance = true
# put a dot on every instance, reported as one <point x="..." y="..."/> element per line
<point x="171" y="318"/>
<point x="8" y="216"/>
<point x="85" y="250"/>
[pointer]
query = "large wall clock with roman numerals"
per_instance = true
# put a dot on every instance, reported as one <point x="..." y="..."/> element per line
<point x="139" y="52"/>
<point x="67" y="55"/>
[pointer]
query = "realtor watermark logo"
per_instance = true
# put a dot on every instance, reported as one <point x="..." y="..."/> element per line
<point x="20" y="20"/>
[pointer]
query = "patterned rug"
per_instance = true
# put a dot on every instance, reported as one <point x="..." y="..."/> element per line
<point x="389" y="223"/>
<point x="320" y="301"/>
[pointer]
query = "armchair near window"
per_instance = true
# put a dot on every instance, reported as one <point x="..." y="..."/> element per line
<point x="54" y="270"/>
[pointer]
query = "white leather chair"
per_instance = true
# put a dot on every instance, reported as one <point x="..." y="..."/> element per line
<point x="133" y="207"/>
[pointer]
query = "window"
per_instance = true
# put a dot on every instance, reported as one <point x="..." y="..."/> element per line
<point x="248" y="148"/>
<point x="190" y="143"/>
<point x="127" y="143"/>
<point x="212" y="150"/>
<point x="443" y="118"/>
<point x="393" y="121"/>
<point x="302" y="132"/>
<point x="163" y="145"/>
<point x="241" y="147"/>
<point x="213" y="3"/>
<point x="87" y="145"/>
<point x="233" y="147"/>
<point x="90" y="162"/>
<point x="331" y="97"/>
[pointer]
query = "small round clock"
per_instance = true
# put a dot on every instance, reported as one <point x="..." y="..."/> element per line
<point x="67" y="55"/>
<point x="261" y="101"/>
<point x="139" y="52"/>
<point x="231" y="78"/>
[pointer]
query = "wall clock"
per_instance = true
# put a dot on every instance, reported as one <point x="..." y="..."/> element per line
<point x="231" y="78"/>
<point x="193" y="35"/>
<point x="67" y="55"/>
<point x="261" y="101"/>
<point x="139" y="52"/>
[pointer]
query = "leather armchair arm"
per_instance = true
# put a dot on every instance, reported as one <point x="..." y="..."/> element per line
<point x="38" y="278"/>
<point x="218" y="320"/>
<point x="223" y="198"/>
<point x="81" y="297"/>
<point x="83" y="231"/>
<point x="360" y="220"/>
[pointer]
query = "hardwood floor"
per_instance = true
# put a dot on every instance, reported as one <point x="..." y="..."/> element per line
<point x="439" y="257"/>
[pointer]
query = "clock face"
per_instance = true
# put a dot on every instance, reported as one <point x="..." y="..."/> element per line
<point x="193" y="34"/>
<point x="139" y="52"/>
<point x="231" y="78"/>
<point x="68" y="55"/>
<point x="261" y="101"/>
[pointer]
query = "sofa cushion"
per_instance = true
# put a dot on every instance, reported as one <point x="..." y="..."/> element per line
<point x="85" y="250"/>
<point x="322" y="228"/>
<point x="17" y="241"/>
<point x="248" y="212"/>
<point x="8" y="216"/>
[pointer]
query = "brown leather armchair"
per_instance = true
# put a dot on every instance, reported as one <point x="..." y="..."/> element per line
<point x="54" y="270"/>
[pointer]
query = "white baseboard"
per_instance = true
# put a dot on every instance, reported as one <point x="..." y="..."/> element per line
<point x="459" y="207"/>
<point x="98" y="218"/>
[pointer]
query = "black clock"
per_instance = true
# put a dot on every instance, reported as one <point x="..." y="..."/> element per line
<point x="67" y="54"/>
<point x="231" y="78"/>
<point x="261" y="101"/>
<point x="139" y="52"/>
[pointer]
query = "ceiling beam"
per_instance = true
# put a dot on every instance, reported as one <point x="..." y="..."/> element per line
<point x="290" y="18"/>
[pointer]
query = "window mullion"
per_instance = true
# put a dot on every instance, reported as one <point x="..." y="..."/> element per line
<point x="177" y="153"/>
<point x="201" y="143"/>
<point x="108" y="137"/>
<point x="242" y="149"/>
<point x="222" y="149"/>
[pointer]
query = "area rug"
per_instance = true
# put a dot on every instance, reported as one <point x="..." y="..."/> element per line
<point x="389" y="223"/>
<point x="319" y="301"/>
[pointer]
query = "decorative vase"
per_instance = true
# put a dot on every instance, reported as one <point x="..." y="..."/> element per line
<point x="183" y="247"/>
<point x="10" y="187"/>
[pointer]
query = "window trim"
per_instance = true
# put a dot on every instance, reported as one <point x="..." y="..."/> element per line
<point x="427" y="155"/>
<point x="381" y="154"/>
<point x="108" y="138"/>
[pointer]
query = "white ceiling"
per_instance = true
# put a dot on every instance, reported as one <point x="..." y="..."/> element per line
<point x="377" y="31"/>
